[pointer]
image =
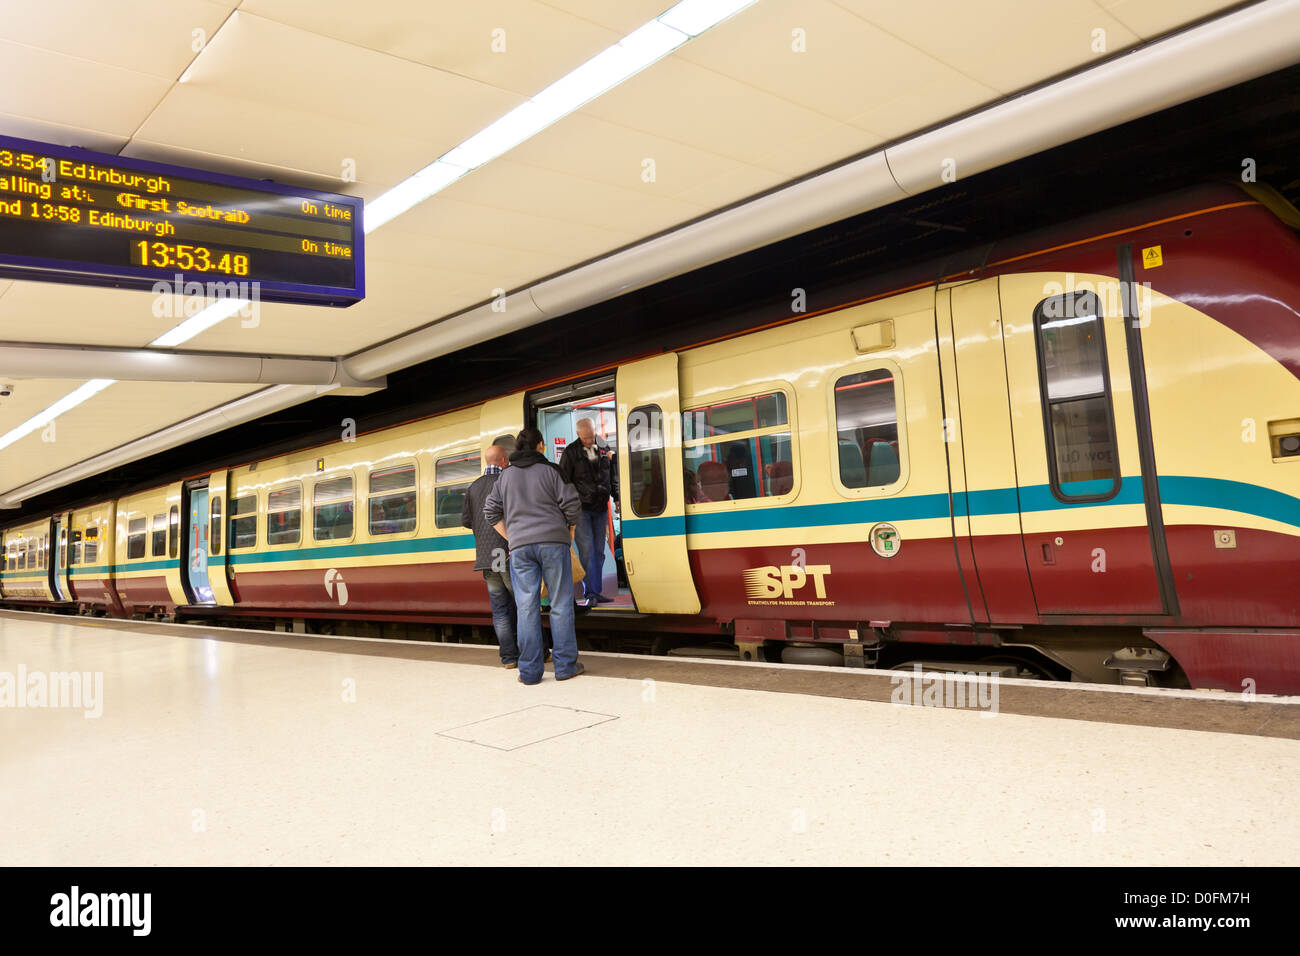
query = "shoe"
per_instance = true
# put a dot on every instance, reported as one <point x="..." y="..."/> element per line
<point x="579" y="669"/>
<point x="547" y="658"/>
<point x="601" y="599"/>
<point x="511" y="666"/>
<point x="526" y="683"/>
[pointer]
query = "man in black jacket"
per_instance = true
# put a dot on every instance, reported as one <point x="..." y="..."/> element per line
<point x="587" y="464"/>
<point x="492" y="555"/>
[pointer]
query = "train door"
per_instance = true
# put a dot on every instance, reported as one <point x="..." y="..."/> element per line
<point x="1089" y="509"/>
<point x="556" y="412"/>
<point x="59" y="558"/>
<point x="218" y="569"/>
<point x="651" y="487"/>
<point x="195" y="544"/>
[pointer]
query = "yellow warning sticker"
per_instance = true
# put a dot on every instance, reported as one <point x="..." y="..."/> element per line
<point x="1151" y="257"/>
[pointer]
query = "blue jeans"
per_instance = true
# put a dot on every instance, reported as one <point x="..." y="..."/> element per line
<point x="529" y="566"/>
<point x="590" y="537"/>
<point x="503" y="613"/>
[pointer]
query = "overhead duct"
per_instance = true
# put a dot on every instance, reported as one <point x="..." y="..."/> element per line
<point x="1231" y="49"/>
<point x="1219" y="53"/>
<point x="21" y="360"/>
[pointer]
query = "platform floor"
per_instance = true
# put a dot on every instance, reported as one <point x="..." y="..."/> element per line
<point x="214" y="747"/>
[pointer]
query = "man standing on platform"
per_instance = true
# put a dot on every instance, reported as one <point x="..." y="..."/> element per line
<point x="536" y="510"/>
<point x="587" y="465"/>
<point x="491" y="554"/>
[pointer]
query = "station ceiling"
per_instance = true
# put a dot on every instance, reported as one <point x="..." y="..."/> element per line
<point x="354" y="98"/>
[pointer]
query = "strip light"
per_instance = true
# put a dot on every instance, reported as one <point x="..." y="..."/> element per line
<point x="647" y="44"/>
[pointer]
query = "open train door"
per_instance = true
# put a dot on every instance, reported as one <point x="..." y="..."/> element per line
<point x="218" y="571"/>
<point x="651" y="487"/>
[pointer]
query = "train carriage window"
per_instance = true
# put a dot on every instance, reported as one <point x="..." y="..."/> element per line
<point x="392" y="501"/>
<point x="135" y="538"/>
<point x="452" y="477"/>
<point x="74" y="547"/>
<point x="645" y="460"/>
<point x="866" y="429"/>
<point x="22" y="556"/>
<point x="1078" y="422"/>
<point x="216" y="525"/>
<point x="284" y="515"/>
<point x="174" y="531"/>
<point x="738" y="449"/>
<point x="243" y="521"/>
<point x="158" y="529"/>
<point x="332" y="504"/>
<point x="92" y="545"/>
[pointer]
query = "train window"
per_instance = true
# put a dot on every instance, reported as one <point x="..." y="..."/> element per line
<point x="92" y="545"/>
<point x="284" y="515"/>
<point x="158" y="528"/>
<point x="135" y="538"/>
<point x="866" y="428"/>
<point x="392" y="504"/>
<point x="243" y="521"/>
<point x="74" y="547"/>
<point x="645" y="460"/>
<point x="216" y="525"/>
<point x="22" y="556"/>
<point x="332" y="508"/>
<point x="738" y="449"/>
<point x="452" y="477"/>
<point x="1077" y="419"/>
<point x="174" y="531"/>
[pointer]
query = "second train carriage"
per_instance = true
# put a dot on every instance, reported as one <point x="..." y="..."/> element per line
<point x="1083" y="456"/>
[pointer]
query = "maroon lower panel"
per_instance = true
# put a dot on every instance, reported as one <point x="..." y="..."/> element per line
<point x="1093" y="571"/>
<point x="1255" y="584"/>
<point x="1266" y="662"/>
<point x="449" y="587"/>
<point x="833" y="582"/>
<point x="144" y="592"/>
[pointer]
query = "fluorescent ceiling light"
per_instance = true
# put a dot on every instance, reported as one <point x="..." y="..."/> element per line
<point x="66" y="403"/>
<point x="411" y="192"/>
<point x="218" y="311"/>
<point x="693" y="17"/>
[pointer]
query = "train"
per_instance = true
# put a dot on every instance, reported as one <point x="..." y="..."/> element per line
<point x="1075" y="458"/>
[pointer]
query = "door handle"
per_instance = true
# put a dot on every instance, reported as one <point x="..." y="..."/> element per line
<point x="1049" y="555"/>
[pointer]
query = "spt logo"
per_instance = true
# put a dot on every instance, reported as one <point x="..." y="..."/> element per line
<point x="774" y="583"/>
<point x="335" y="587"/>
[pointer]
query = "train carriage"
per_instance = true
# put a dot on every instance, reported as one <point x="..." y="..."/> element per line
<point x="92" y="544"/>
<point x="1077" y="458"/>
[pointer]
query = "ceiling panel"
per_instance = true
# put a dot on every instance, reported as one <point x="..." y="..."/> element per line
<point x="139" y="35"/>
<point x="1004" y="44"/>
<point x="75" y="314"/>
<point x="70" y="91"/>
<point x="1150" y="18"/>
<point x="536" y="46"/>
<point x="621" y="15"/>
<point x="686" y="103"/>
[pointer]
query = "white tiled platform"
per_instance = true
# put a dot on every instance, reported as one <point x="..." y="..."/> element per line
<point x="211" y="752"/>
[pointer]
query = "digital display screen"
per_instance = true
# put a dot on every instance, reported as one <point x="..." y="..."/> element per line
<point x="71" y="215"/>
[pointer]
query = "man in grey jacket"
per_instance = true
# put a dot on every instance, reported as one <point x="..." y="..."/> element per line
<point x="536" y="510"/>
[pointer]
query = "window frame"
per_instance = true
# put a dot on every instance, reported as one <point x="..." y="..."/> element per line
<point x="663" y="455"/>
<point x="749" y="391"/>
<point x="154" y="531"/>
<point x="283" y="486"/>
<point x="868" y="363"/>
<point x="319" y="480"/>
<point x="90" y="537"/>
<point x="143" y="534"/>
<point x="465" y="451"/>
<point x="1049" y="436"/>
<point x="215" y="527"/>
<point x="231" y="518"/>
<point x="414" y="490"/>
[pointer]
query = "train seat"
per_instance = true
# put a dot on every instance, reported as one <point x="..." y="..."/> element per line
<point x="780" y="477"/>
<point x="713" y="480"/>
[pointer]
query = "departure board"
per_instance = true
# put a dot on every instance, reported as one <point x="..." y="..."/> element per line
<point x="71" y="215"/>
